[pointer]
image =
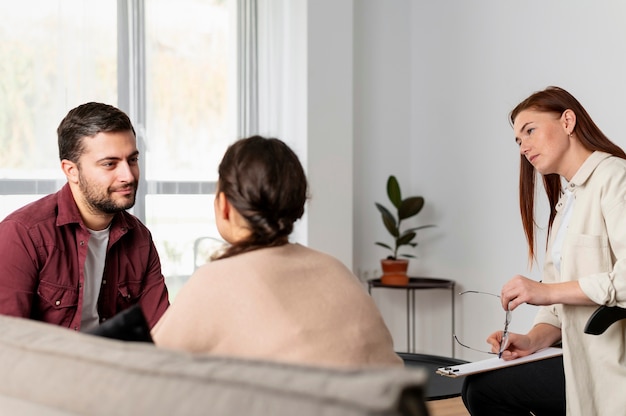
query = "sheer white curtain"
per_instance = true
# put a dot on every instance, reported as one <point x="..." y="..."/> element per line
<point x="282" y="78"/>
<point x="282" y="70"/>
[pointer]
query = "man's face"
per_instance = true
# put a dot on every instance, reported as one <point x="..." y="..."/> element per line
<point x="108" y="172"/>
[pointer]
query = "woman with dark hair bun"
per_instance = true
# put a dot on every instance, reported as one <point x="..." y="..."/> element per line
<point x="265" y="297"/>
<point x="265" y="183"/>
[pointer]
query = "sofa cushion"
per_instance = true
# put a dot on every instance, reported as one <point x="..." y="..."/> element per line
<point x="77" y="373"/>
<point x="18" y="407"/>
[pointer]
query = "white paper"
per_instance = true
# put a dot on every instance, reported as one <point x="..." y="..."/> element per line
<point x="493" y="363"/>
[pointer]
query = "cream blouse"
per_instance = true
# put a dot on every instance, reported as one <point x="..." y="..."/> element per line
<point x="594" y="254"/>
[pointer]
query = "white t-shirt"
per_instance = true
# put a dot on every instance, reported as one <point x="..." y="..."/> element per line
<point x="94" y="268"/>
<point x="557" y="246"/>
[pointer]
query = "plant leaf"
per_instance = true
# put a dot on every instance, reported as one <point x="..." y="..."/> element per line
<point x="389" y="220"/>
<point x="418" y="228"/>
<point x="410" y="206"/>
<point x="405" y="239"/>
<point x="383" y="245"/>
<point x="393" y="191"/>
<point x="405" y="232"/>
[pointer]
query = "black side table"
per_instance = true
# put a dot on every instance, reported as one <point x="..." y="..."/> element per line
<point x="417" y="283"/>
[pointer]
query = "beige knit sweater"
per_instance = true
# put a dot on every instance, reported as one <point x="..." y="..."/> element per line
<point x="287" y="303"/>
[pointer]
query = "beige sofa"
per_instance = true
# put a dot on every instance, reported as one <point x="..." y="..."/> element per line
<point x="47" y="370"/>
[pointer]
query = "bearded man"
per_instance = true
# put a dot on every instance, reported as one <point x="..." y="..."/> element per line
<point x="76" y="258"/>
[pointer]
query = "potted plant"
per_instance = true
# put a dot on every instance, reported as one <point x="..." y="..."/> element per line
<point x="394" y="268"/>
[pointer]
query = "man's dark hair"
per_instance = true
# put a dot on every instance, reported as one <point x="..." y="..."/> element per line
<point x="87" y="120"/>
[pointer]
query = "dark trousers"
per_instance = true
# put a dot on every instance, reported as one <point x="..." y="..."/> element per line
<point x="537" y="387"/>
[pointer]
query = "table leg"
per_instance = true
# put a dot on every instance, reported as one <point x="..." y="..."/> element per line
<point x="408" y="323"/>
<point x="413" y="315"/>
<point x="453" y="322"/>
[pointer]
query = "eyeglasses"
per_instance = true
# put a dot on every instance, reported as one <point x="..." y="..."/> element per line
<point x="505" y="334"/>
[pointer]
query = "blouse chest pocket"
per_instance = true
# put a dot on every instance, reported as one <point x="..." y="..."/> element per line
<point x="585" y="255"/>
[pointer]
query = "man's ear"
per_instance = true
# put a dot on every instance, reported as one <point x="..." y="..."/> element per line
<point x="70" y="169"/>
<point x="569" y="120"/>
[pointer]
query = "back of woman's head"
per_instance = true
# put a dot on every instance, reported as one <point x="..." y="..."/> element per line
<point x="264" y="180"/>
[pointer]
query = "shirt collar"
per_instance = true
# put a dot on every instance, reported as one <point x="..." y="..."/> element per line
<point x="69" y="214"/>
<point x="587" y="168"/>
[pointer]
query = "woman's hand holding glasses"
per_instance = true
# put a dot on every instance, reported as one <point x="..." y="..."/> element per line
<point x="502" y="336"/>
<point x="504" y="344"/>
<point x="508" y="345"/>
<point x="521" y="289"/>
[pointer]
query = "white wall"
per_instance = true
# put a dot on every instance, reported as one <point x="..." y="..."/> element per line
<point x="434" y="82"/>
<point x="329" y="126"/>
<point x="422" y="90"/>
<point x="382" y="139"/>
<point x="306" y="88"/>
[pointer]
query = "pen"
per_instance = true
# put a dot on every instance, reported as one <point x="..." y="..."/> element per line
<point x="505" y="337"/>
<point x="505" y="333"/>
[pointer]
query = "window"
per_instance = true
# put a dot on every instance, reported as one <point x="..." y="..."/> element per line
<point x="169" y="65"/>
<point x="49" y="66"/>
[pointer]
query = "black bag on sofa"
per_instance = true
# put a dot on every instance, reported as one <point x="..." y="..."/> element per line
<point x="128" y="325"/>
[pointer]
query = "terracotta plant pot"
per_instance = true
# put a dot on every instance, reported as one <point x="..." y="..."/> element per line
<point x="394" y="272"/>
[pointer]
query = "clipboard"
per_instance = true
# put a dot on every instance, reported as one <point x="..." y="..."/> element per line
<point x="494" y="363"/>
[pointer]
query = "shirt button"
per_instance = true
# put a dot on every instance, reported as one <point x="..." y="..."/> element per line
<point x="82" y="243"/>
<point x="104" y="282"/>
<point x="58" y="302"/>
<point x="572" y="185"/>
